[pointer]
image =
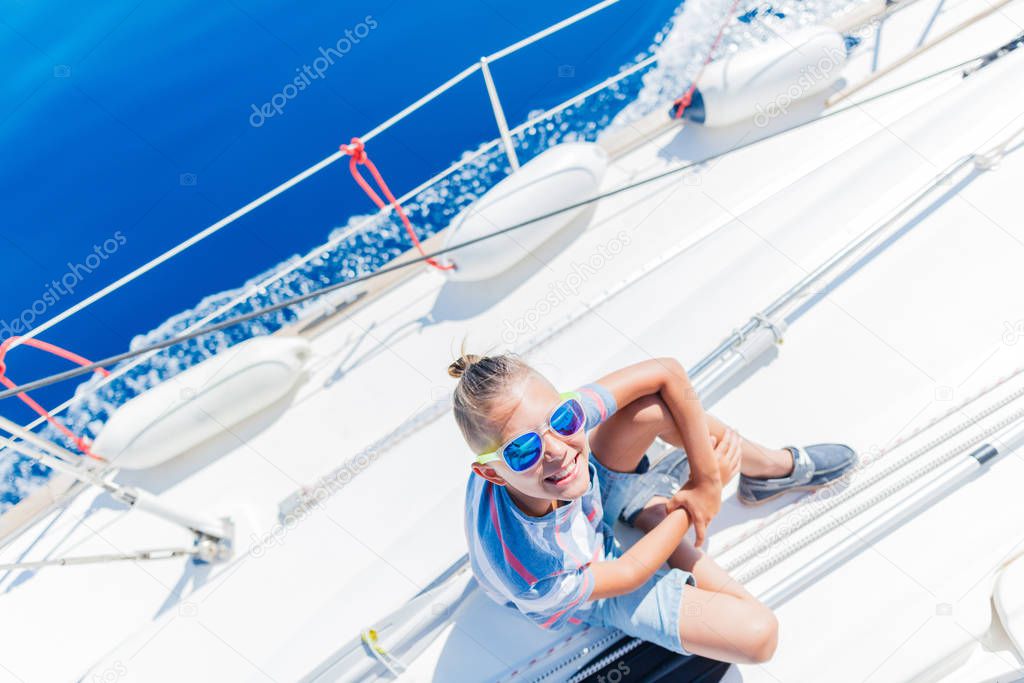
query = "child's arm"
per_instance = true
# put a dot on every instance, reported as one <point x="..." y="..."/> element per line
<point x="702" y="496"/>
<point x="638" y="564"/>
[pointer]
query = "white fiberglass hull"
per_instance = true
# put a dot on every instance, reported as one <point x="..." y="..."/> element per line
<point x="923" y="320"/>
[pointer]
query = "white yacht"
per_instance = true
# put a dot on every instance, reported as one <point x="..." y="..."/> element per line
<point x="830" y="238"/>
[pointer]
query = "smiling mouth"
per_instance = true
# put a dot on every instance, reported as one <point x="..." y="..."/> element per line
<point x="566" y="474"/>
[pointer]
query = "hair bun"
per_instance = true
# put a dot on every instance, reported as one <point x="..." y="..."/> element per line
<point x="458" y="368"/>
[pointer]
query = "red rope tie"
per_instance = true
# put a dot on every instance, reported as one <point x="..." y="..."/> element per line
<point x="79" y="442"/>
<point x="357" y="155"/>
<point x="684" y="101"/>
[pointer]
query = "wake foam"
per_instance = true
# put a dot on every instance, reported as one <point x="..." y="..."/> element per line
<point x="680" y="47"/>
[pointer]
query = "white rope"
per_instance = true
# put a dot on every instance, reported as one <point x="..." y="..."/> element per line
<point x="554" y="28"/>
<point x="315" y="168"/>
<point x="301" y="498"/>
<point x="524" y="666"/>
<point x="174" y="251"/>
<point x="270" y="279"/>
<point x="625" y="73"/>
<point x="591" y="669"/>
<point x="473" y="68"/>
<point x="318" y="166"/>
<point x="827" y="493"/>
<point x="800" y="542"/>
<point x="343" y="236"/>
<point x="433" y="94"/>
<point x="793" y="545"/>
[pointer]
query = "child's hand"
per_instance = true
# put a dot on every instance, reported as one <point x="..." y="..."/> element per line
<point x="728" y="460"/>
<point x="702" y="501"/>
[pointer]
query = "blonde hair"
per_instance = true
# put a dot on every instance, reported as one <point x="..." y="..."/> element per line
<point x="483" y="381"/>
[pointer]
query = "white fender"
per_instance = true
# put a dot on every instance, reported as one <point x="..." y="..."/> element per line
<point x="557" y="177"/>
<point x="762" y="83"/>
<point x="201" y="402"/>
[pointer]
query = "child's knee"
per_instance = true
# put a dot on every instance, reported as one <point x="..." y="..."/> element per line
<point x="762" y="635"/>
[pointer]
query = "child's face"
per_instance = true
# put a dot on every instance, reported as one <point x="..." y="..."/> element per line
<point x="563" y="472"/>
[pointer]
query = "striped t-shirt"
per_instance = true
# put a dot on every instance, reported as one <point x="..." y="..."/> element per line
<point x="540" y="565"/>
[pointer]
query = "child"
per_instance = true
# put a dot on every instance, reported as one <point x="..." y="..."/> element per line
<point x="540" y="509"/>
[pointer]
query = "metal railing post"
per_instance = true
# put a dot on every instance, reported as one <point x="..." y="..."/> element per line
<point x="499" y="116"/>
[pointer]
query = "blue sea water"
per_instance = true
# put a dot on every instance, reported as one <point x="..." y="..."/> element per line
<point x="126" y="127"/>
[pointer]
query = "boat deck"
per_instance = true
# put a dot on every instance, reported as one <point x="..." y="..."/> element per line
<point x="667" y="269"/>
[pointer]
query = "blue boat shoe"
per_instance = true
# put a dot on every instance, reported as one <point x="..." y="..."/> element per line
<point x="813" y="466"/>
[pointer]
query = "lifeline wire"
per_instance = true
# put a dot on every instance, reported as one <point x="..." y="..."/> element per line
<point x="111" y="360"/>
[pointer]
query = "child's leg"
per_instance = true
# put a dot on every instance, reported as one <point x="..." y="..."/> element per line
<point x="755" y="459"/>
<point x="725" y="627"/>
<point x="622" y="440"/>
<point x="718" y="618"/>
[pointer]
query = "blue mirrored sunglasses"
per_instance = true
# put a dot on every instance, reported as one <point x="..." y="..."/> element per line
<point x="522" y="452"/>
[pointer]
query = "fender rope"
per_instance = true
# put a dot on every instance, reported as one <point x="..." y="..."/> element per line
<point x="393" y="267"/>
<point x="79" y="442"/>
<point x="680" y="105"/>
<point x="356" y="152"/>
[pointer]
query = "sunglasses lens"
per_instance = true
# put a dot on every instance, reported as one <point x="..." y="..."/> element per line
<point x="524" y="451"/>
<point x="568" y="418"/>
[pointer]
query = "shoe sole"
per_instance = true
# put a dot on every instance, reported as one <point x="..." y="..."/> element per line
<point x="762" y="501"/>
<point x="806" y="487"/>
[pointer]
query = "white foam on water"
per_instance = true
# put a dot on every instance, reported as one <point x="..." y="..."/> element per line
<point x="681" y="48"/>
